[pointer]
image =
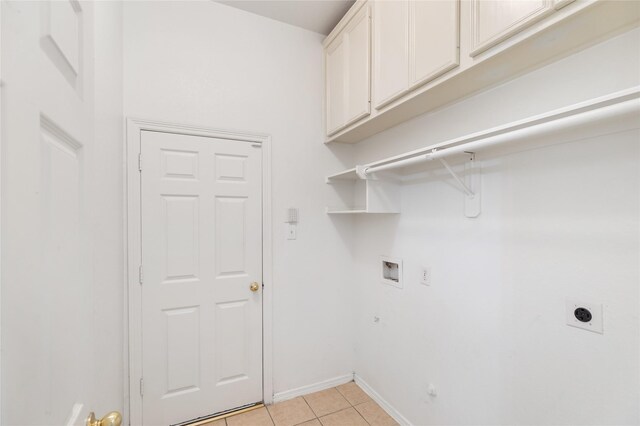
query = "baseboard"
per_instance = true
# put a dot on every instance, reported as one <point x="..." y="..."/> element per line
<point x="315" y="387"/>
<point x="381" y="401"/>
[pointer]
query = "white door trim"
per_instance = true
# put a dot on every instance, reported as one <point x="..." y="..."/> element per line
<point x="133" y="292"/>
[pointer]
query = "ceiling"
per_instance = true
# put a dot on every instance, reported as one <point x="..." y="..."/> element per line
<point x="319" y="16"/>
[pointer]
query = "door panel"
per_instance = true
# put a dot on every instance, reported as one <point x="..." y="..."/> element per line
<point x="358" y="41"/>
<point x="201" y="249"/>
<point x="493" y="21"/>
<point x="48" y="310"/>
<point x="390" y="51"/>
<point x="433" y="39"/>
<point x="335" y="84"/>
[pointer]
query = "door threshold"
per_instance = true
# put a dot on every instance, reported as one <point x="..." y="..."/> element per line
<point x="221" y="415"/>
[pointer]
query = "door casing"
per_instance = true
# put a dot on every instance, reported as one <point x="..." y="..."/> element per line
<point x="132" y="238"/>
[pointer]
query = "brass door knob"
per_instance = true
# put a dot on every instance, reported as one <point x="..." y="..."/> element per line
<point x="254" y="286"/>
<point x="112" y="419"/>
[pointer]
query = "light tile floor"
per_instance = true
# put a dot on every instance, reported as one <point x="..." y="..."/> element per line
<point x="345" y="405"/>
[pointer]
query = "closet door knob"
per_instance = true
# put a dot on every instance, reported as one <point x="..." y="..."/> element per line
<point x="254" y="286"/>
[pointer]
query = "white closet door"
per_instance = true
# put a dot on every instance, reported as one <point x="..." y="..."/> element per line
<point x="433" y="39"/>
<point x="358" y="64"/>
<point x="390" y="51"/>
<point x="201" y="250"/>
<point x="335" y="85"/>
<point x="493" y="21"/>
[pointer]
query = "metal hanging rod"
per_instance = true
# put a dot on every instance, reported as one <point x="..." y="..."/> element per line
<point x="603" y="108"/>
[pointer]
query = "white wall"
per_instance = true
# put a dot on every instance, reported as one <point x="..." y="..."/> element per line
<point x="557" y="222"/>
<point x="205" y="63"/>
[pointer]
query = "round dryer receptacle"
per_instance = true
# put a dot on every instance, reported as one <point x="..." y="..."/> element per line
<point x="582" y="315"/>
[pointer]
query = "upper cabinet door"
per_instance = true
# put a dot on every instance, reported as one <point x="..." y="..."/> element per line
<point x="357" y="40"/>
<point x="390" y="51"/>
<point x="434" y="28"/>
<point x="335" y="85"/>
<point x="493" y="21"/>
<point x="559" y="4"/>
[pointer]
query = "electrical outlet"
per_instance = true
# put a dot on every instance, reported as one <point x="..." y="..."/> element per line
<point x="425" y="275"/>
<point x="584" y="315"/>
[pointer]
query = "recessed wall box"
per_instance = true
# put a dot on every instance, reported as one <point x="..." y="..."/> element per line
<point x="391" y="269"/>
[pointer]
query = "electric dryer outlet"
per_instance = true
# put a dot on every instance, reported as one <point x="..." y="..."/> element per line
<point x="584" y="315"/>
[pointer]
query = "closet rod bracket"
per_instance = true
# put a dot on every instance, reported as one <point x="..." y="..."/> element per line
<point x="463" y="185"/>
<point x="471" y="184"/>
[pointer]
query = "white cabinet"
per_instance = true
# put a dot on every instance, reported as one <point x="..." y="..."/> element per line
<point x="358" y="41"/>
<point x="411" y="50"/>
<point x="414" y="42"/>
<point x="335" y="82"/>
<point x="347" y="73"/>
<point x="493" y="21"/>
<point x="434" y="28"/>
<point x="559" y="4"/>
<point x="390" y="51"/>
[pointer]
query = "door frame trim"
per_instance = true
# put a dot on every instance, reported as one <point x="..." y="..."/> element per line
<point x="133" y="291"/>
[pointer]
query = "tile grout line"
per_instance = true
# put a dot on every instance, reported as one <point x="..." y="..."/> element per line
<point x="312" y="410"/>
<point x="345" y="409"/>
<point x="316" y="417"/>
<point x="360" y="414"/>
<point x="271" y="417"/>
<point x="352" y="405"/>
<point x="314" y="413"/>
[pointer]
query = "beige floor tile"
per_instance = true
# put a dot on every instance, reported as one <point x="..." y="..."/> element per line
<point x="375" y="415"/>
<point x="219" y="422"/>
<point x="290" y="413"/>
<point x="259" y="417"/>
<point x="348" y="417"/>
<point x="353" y="393"/>
<point x="326" y="402"/>
<point x="314" y="422"/>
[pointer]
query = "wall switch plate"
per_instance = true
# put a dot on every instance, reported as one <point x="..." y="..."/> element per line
<point x="292" y="232"/>
<point x="425" y="275"/>
<point x="584" y="315"/>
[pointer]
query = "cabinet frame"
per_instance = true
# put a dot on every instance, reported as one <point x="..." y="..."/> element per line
<point x="339" y="37"/>
<point x="478" y="46"/>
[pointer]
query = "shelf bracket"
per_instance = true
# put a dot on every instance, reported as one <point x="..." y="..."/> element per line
<point x="465" y="188"/>
<point x="472" y="182"/>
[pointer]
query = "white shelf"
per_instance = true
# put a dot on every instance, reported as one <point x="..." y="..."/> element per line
<point x="346" y="175"/>
<point x="329" y="211"/>
<point x="380" y="194"/>
<point x="364" y="196"/>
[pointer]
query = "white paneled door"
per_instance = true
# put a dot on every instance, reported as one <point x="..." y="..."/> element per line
<point x="50" y="348"/>
<point x="202" y="258"/>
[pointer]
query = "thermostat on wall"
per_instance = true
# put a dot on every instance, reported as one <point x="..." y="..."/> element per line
<point x="391" y="269"/>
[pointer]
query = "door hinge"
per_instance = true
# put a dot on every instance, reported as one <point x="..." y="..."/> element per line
<point x="140" y="162"/>
<point x="141" y="387"/>
<point x="140" y="274"/>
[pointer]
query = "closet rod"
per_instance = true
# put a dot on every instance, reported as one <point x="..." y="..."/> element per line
<point x="561" y="121"/>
